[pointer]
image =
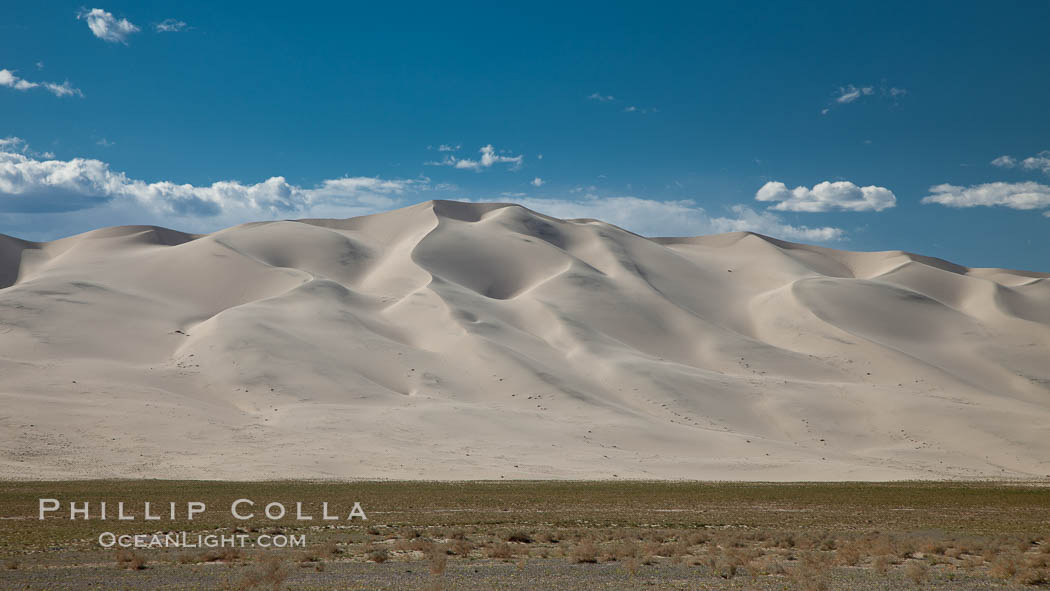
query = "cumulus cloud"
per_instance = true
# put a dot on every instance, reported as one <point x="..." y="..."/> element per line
<point x="489" y="157"/>
<point x="170" y="25"/>
<point x="107" y="27"/>
<point x="649" y="217"/>
<point x="32" y="185"/>
<point x="537" y="182"/>
<point x="1040" y="161"/>
<point x="827" y="196"/>
<point x="602" y="98"/>
<point x="81" y="194"/>
<point x="449" y="148"/>
<point x="9" y="79"/>
<point x="1027" y="195"/>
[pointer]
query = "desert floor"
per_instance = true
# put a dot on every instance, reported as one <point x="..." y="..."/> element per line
<point x="550" y="535"/>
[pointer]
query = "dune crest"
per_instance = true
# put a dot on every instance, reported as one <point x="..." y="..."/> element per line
<point x="454" y="340"/>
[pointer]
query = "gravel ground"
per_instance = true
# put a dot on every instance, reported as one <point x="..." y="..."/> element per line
<point x="539" y="574"/>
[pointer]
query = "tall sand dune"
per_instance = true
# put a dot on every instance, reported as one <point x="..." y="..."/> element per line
<point x="458" y="341"/>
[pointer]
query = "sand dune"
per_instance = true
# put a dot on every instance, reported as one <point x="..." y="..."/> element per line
<point x="451" y="340"/>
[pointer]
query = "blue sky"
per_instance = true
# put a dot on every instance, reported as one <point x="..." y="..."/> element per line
<point x="918" y="126"/>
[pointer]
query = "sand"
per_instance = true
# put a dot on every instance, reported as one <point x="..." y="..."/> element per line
<point x="458" y="341"/>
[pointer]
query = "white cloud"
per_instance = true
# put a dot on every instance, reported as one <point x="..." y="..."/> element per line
<point x="827" y="196"/>
<point x="38" y="186"/>
<point x="489" y="157"/>
<point x="643" y="111"/>
<point x="649" y="217"/>
<point x="170" y="25"/>
<point x="1027" y="195"/>
<point x="105" y="143"/>
<point x="107" y="27"/>
<point x="16" y="144"/>
<point x="449" y="148"/>
<point x="82" y="194"/>
<point x="538" y="182"/>
<point x="1040" y="161"/>
<point x="608" y="98"/>
<point x="1005" y="161"/>
<point x="850" y="93"/>
<point x="10" y="80"/>
<point x="64" y="89"/>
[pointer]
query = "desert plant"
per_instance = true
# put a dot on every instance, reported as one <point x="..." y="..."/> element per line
<point x="270" y="573"/>
<point x="630" y="565"/>
<point x="768" y="564"/>
<point x="500" y="550"/>
<point x="519" y="536"/>
<point x="1032" y="576"/>
<point x="585" y="551"/>
<point x="698" y="538"/>
<point x="219" y="555"/>
<point x="550" y="537"/>
<point x="916" y="571"/>
<point x="931" y="546"/>
<point x="378" y="555"/>
<point x="1006" y="566"/>
<point x="848" y="554"/>
<point x="130" y="559"/>
<point x="438" y="560"/>
<point x="460" y="547"/>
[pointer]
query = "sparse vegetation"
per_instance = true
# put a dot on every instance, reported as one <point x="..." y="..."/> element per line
<point x="916" y="571"/>
<point x="438" y="561"/>
<point x="802" y="536"/>
<point x="499" y="550"/>
<point x="270" y="573"/>
<point x="519" y="536"/>
<point x="130" y="560"/>
<point x="585" y="552"/>
<point x="378" y="555"/>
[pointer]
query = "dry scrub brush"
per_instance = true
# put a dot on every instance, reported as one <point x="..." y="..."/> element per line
<point x="130" y="559"/>
<point x="270" y="573"/>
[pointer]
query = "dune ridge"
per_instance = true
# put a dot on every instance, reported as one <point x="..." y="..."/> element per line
<point x="453" y="340"/>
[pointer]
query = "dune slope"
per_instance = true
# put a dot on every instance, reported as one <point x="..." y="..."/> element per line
<point x="451" y="341"/>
